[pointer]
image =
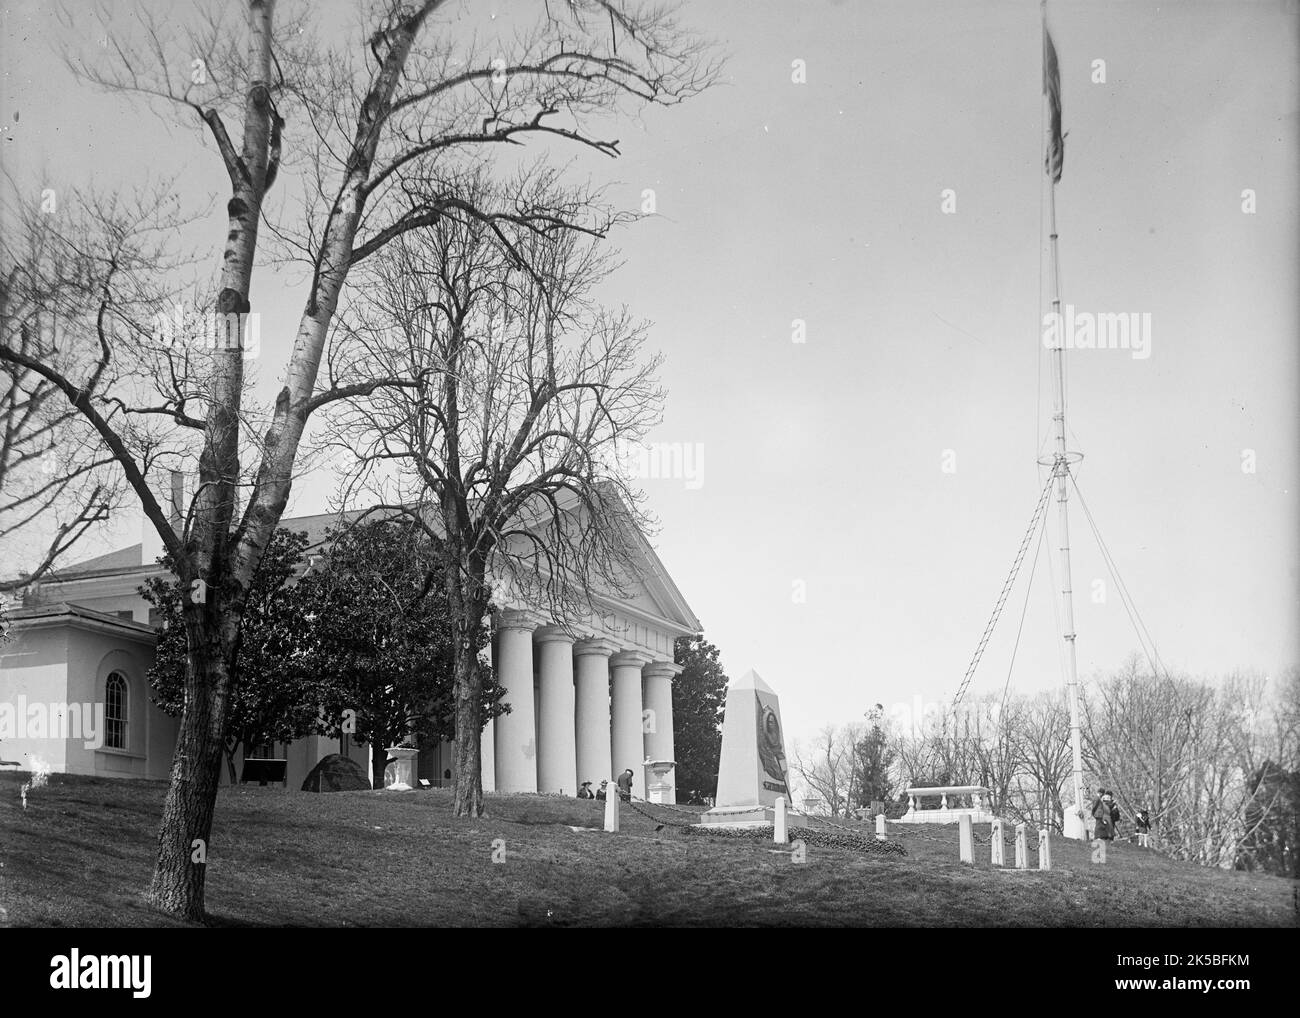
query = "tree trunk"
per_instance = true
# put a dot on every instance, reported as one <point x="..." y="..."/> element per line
<point x="469" y="729"/>
<point x="230" y="762"/>
<point x="184" y="838"/>
<point x="467" y="607"/>
<point x="378" y="761"/>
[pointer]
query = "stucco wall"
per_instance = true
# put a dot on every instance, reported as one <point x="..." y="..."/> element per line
<point x="33" y="669"/>
<point x="66" y="663"/>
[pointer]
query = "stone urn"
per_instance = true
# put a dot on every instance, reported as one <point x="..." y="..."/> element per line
<point x="660" y="789"/>
<point x="399" y="774"/>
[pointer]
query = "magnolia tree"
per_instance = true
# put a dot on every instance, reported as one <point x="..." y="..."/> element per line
<point x="380" y="645"/>
<point x="341" y="122"/>
<point x="523" y="386"/>
<point x="275" y="697"/>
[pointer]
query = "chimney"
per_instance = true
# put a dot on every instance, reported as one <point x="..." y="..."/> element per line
<point x="172" y="502"/>
<point x="177" y="501"/>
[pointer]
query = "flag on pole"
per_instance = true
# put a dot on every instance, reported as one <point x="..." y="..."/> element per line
<point x="1052" y="89"/>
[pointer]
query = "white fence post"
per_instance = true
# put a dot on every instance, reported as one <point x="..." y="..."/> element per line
<point x="1045" y="849"/>
<point x="965" y="840"/>
<point x="611" y="808"/>
<point x="778" y="822"/>
<point x="880" y="827"/>
<point x="1022" y="848"/>
<point x="997" y="857"/>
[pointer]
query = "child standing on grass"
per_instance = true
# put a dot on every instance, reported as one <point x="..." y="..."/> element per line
<point x="1142" y="822"/>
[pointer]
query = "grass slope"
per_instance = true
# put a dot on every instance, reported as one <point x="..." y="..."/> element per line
<point x="82" y="853"/>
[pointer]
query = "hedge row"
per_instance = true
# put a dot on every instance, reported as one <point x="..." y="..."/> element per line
<point x="820" y="836"/>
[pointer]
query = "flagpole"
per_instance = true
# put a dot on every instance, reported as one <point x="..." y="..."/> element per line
<point x="1060" y="462"/>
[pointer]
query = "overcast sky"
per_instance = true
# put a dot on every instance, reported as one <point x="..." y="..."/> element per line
<point x="885" y="467"/>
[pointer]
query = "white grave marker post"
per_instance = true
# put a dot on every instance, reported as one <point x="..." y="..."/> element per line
<point x="611" y="808"/>
<point x="965" y="839"/>
<point x="997" y="857"/>
<point x="1022" y="848"/>
<point x="1045" y="849"/>
<point x="778" y="823"/>
<point x="880" y="827"/>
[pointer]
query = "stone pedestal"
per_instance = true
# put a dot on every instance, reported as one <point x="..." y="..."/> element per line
<point x="399" y="773"/>
<point x="1075" y="823"/>
<point x="658" y="786"/>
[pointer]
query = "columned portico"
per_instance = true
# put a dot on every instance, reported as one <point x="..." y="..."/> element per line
<point x="591" y="715"/>
<point x="557" y="765"/>
<point x="628" y="745"/>
<point x="658" y="676"/>
<point x="516" y="743"/>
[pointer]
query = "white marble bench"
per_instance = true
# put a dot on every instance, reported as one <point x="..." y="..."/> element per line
<point x="950" y="809"/>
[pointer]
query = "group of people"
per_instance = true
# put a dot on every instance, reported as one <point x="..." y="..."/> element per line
<point x="623" y="782"/>
<point x="1106" y="818"/>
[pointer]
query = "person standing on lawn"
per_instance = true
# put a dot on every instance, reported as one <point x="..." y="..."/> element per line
<point x="625" y="784"/>
<point x="1104" y="813"/>
<point x="1142" y="823"/>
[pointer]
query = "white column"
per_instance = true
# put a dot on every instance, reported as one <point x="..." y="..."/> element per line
<point x="591" y="714"/>
<point x="557" y="763"/>
<point x="487" y="751"/>
<point x="628" y="748"/>
<point x="516" y="743"/>
<point x="658" y="733"/>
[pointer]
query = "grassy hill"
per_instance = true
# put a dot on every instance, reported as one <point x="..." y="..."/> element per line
<point x="82" y="853"/>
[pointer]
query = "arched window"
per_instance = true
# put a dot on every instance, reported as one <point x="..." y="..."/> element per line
<point x="115" y="707"/>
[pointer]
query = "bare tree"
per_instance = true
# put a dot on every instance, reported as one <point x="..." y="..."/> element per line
<point x="994" y="729"/>
<point x="826" y="765"/>
<point x="1190" y="752"/>
<point x="1139" y="731"/>
<point x="80" y="275"/>
<point x="505" y="443"/>
<point x="372" y="113"/>
<point x="1041" y="738"/>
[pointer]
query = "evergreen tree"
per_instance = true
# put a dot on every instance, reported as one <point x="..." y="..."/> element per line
<point x="699" y="696"/>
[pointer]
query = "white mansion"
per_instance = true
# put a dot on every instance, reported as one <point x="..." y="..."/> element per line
<point x="585" y="704"/>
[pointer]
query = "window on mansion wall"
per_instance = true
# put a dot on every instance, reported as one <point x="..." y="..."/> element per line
<point x="115" y="706"/>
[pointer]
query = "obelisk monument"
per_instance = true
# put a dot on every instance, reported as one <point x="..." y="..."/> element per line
<point x="753" y="770"/>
